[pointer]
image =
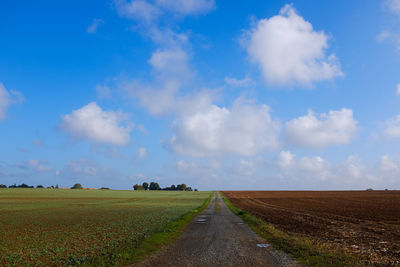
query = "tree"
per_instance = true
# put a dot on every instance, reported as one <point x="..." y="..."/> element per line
<point x="56" y="186"/>
<point x="138" y="187"/>
<point x="77" y="186"/>
<point x="3" y="186"/>
<point x="145" y="186"/>
<point x="40" y="186"/>
<point x="154" y="186"/>
<point x="181" y="187"/>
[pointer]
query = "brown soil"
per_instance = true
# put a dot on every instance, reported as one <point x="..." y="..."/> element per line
<point x="363" y="223"/>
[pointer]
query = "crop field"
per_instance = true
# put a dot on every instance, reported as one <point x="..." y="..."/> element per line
<point x="366" y="224"/>
<point x="67" y="227"/>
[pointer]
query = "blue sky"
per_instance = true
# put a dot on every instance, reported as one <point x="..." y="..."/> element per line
<point x="214" y="94"/>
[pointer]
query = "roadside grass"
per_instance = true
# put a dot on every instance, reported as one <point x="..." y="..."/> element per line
<point x="136" y="252"/>
<point x="302" y="249"/>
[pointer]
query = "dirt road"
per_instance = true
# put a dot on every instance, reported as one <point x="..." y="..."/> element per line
<point x="217" y="237"/>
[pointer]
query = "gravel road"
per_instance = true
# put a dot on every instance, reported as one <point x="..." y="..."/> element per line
<point x="217" y="237"/>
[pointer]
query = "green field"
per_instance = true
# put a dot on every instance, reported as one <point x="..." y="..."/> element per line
<point x="70" y="227"/>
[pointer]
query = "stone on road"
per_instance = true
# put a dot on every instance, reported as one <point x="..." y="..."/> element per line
<point x="217" y="237"/>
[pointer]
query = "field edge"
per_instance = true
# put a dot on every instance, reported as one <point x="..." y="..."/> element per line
<point x="301" y="249"/>
<point x="137" y="252"/>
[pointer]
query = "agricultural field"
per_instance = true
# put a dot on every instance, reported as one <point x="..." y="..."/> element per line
<point x="365" y="224"/>
<point x="67" y="227"/>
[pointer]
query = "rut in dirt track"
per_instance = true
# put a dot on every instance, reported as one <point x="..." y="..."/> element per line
<point x="217" y="237"/>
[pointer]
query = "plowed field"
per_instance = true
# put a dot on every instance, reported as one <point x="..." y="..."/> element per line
<point x="364" y="223"/>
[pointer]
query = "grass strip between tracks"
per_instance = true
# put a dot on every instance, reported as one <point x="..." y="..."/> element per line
<point x="137" y="252"/>
<point x="302" y="249"/>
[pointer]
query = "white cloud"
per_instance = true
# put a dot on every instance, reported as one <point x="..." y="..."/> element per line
<point x="290" y="52"/>
<point x="141" y="153"/>
<point x="96" y="23"/>
<point x="398" y="89"/>
<point x="149" y="12"/>
<point x="394" y="6"/>
<point x="7" y="99"/>
<point x="350" y="172"/>
<point x="389" y="171"/>
<point x="171" y="63"/>
<point x="93" y="124"/>
<point x="387" y="164"/>
<point x="187" y="7"/>
<point x="245" y="129"/>
<point x="245" y="82"/>
<point x="335" y="127"/>
<point x="392" y="127"/>
<point x="285" y="159"/>
<point x="137" y="10"/>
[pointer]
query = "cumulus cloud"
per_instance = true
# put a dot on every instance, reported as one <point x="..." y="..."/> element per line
<point x="233" y="82"/>
<point x="96" y="23"/>
<point x="289" y="51"/>
<point x="392" y="127"/>
<point x="313" y="131"/>
<point x="93" y="124"/>
<point x="245" y="129"/>
<point x="8" y="98"/>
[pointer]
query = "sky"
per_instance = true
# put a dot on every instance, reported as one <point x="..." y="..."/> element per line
<point x="255" y="95"/>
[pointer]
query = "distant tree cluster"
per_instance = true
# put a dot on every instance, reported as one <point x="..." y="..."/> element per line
<point x="27" y="186"/>
<point x="156" y="186"/>
<point x="77" y="186"/>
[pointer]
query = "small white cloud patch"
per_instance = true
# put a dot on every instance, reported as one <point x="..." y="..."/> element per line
<point x="93" y="124"/>
<point x="335" y="127"/>
<point x="392" y="127"/>
<point x="245" y="82"/>
<point x="141" y="153"/>
<point x="290" y="52"/>
<point x="7" y="99"/>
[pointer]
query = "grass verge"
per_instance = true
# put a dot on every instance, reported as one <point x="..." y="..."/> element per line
<point x="136" y="252"/>
<point x="302" y="249"/>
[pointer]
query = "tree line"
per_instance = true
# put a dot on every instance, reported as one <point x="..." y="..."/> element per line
<point x="155" y="186"/>
<point x="26" y="186"/>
